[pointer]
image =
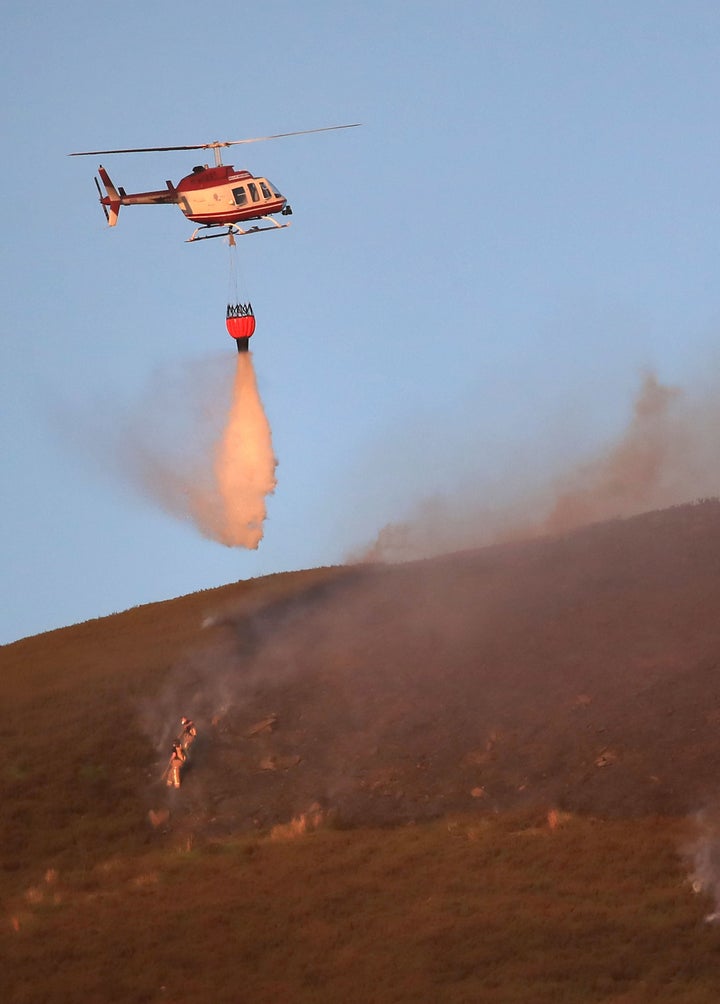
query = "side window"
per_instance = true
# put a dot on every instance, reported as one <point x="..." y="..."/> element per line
<point x="253" y="192"/>
<point x="265" y="190"/>
<point x="240" y="196"/>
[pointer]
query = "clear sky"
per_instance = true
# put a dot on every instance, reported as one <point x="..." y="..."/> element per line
<point x="528" y="220"/>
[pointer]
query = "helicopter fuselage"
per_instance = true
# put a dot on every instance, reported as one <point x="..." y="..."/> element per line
<point x="219" y="195"/>
<point x="210" y="196"/>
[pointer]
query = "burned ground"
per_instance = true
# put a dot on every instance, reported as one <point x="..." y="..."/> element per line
<point x="578" y="672"/>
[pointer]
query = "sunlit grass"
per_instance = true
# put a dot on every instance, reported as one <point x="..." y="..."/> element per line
<point x="498" y="909"/>
<point x="97" y="905"/>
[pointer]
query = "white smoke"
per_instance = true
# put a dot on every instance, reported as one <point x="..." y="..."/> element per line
<point x="704" y="857"/>
<point x="668" y="454"/>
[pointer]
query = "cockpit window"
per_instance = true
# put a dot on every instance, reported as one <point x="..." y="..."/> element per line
<point x="265" y="190"/>
<point x="240" y="195"/>
<point x="275" y="189"/>
<point x="254" y="194"/>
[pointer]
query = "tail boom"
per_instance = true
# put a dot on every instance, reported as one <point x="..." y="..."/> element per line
<point x="118" y="197"/>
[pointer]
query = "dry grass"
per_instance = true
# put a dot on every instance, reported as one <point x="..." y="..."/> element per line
<point x="75" y="765"/>
<point x="496" y="909"/>
<point x="508" y="674"/>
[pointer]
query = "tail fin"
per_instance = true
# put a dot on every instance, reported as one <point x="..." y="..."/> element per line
<point x="112" y="201"/>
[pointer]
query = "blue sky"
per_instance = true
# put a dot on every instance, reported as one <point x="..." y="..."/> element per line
<point x="527" y="221"/>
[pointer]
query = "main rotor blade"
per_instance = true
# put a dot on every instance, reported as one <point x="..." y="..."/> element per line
<point x="211" y="146"/>
<point x="282" y="135"/>
<point x="143" y="149"/>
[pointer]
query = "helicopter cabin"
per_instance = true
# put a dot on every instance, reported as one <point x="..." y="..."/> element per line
<point x="219" y="195"/>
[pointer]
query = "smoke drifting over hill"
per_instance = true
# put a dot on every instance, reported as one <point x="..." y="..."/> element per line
<point x="669" y="454"/>
<point x="578" y="671"/>
<point x="704" y="859"/>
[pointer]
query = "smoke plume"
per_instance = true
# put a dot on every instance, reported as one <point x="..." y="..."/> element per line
<point x="704" y="859"/>
<point x="668" y="454"/>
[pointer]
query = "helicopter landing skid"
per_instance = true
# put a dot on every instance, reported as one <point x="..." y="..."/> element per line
<point x="233" y="230"/>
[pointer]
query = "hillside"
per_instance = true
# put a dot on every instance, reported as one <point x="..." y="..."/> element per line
<point x="553" y="705"/>
<point x="579" y="672"/>
<point x="491" y="910"/>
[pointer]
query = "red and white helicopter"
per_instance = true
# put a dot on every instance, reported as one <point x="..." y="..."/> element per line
<point x="212" y="197"/>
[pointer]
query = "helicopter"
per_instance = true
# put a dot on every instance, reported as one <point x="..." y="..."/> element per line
<point x="213" y="197"/>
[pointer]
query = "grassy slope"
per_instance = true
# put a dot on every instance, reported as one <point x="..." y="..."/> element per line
<point x="492" y="909"/>
<point x="73" y="759"/>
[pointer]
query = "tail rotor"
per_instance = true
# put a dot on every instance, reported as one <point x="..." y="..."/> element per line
<point x="104" y="207"/>
<point x="113" y="200"/>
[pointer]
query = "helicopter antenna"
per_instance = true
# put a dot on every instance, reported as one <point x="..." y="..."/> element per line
<point x="216" y="146"/>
